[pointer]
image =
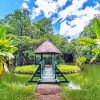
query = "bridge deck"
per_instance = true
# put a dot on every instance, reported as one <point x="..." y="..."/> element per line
<point x="48" y="75"/>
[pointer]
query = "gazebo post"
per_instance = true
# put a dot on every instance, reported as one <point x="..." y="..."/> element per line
<point x="58" y="58"/>
<point x="35" y="59"/>
<point x="51" y="58"/>
<point x="41" y="56"/>
<point x="54" y="56"/>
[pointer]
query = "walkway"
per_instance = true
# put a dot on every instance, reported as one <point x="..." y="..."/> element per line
<point x="48" y="92"/>
<point x="48" y="75"/>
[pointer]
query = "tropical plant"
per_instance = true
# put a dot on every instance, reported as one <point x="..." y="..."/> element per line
<point x="95" y="43"/>
<point x="6" y="48"/>
<point x="80" y="62"/>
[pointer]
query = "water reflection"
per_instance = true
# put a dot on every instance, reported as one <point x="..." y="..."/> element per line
<point x="73" y="86"/>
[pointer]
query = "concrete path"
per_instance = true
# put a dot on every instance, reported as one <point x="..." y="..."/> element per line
<point x="48" y="92"/>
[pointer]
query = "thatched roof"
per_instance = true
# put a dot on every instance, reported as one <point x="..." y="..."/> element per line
<point x="47" y="48"/>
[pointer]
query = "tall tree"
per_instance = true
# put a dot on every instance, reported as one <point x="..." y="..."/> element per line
<point x="42" y="27"/>
<point x="89" y="30"/>
<point x="20" y="22"/>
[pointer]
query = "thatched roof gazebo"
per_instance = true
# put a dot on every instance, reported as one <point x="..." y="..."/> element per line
<point x="47" y="48"/>
<point x="47" y="72"/>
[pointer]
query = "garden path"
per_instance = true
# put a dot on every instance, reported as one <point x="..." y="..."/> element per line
<point x="48" y="92"/>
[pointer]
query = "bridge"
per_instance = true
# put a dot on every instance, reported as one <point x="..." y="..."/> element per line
<point x="48" y="74"/>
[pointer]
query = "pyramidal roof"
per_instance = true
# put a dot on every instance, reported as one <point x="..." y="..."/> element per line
<point x="47" y="48"/>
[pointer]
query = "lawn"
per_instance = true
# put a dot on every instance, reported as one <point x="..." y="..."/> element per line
<point x="68" y="68"/>
<point x="26" y="68"/>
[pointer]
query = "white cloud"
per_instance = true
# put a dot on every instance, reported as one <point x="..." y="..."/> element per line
<point x="83" y="18"/>
<point x="51" y="7"/>
<point x="61" y="3"/>
<point x="24" y="5"/>
<point x="35" y="12"/>
<point x="76" y="5"/>
<point x="48" y="7"/>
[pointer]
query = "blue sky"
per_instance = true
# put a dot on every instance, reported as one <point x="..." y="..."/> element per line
<point x="69" y="17"/>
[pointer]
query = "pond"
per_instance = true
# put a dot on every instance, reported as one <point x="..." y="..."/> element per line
<point x="91" y="74"/>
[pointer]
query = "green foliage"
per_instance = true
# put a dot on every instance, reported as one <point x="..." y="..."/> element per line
<point x="89" y="30"/>
<point x="96" y="52"/>
<point x="87" y="41"/>
<point x="93" y="42"/>
<point x="80" y="62"/>
<point x="26" y="46"/>
<point x="97" y="28"/>
<point x="6" y="46"/>
<point x="80" y="53"/>
<point x="26" y="68"/>
<point x="19" y="21"/>
<point x="28" y="35"/>
<point x="42" y="27"/>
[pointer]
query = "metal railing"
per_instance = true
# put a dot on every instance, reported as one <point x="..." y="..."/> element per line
<point x="56" y="71"/>
<point x="54" y="65"/>
<point x="42" y="66"/>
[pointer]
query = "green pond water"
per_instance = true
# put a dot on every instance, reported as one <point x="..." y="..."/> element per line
<point x="91" y="74"/>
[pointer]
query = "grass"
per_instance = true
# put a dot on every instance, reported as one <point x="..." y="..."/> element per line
<point x="91" y="93"/>
<point x="67" y="68"/>
<point x="13" y="87"/>
<point x="27" y="68"/>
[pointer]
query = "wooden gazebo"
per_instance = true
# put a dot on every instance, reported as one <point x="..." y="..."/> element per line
<point x="47" y="74"/>
<point x="47" y="48"/>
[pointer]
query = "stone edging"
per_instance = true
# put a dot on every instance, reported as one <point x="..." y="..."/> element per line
<point x="69" y="72"/>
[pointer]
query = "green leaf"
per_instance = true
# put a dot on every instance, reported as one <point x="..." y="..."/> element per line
<point x="97" y="28"/>
<point x="87" y="41"/>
